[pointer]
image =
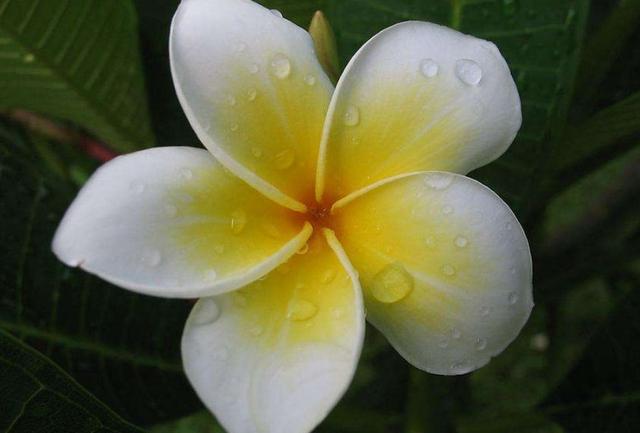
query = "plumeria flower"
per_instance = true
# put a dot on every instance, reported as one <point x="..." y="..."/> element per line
<point x="312" y="203"/>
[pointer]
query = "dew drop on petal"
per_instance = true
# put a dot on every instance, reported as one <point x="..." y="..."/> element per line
<point x="310" y="80"/>
<point x="254" y="68"/>
<point x="461" y="241"/>
<point x="231" y="100"/>
<point x="480" y="344"/>
<point x="328" y="276"/>
<point x="276" y="12"/>
<point x="219" y="249"/>
<point x="448" y="270"/>
<point x="240" y="47"/>
<point x="301" y="309"/>
<point x="208" y="312"/>
<point x="447" y="210"/>
<point x="285" y="159"/>
<point x="392" y="284"/>
<point x="512" y="298"/>
<point x="337" y="313"/>
<point x="271" y="230"/>
<point x="456" y="334"/>
<point x="240" y="300"/>
<point x="211" y="275"/>
<point x="469" y="72"/>
<point x="485" y="311"/>
<point x="280" y="66"/>
<point x="443" y="343"/>
<point x="429" y="68"/>
<point x="234" y="127"/>
<point x="238" y="221"/>
<point x="251" y="94"/>
<point x="437" y="181"/>
<point x="430" y="241"/>
<point x="351" y="116"/>
<point x="256" y="151"/>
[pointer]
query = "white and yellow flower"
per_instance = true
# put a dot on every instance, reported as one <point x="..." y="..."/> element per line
<point x="312" y="203"/>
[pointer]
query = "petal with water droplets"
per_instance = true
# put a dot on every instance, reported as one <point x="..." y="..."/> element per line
<point x="171" y="222"/>
<point x="278" y="354"/>
<point x="254" y="92"/>
<point x="417" y="96"/>
<point x="445" y="267"/>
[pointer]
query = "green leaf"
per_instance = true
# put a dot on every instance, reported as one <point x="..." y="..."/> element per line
<point x="38" y="396"/>
<point x="76" y="60"/>
<point x="602" y="393"/>
<point x="603" y="130"/>
<point x="121" y="346"/>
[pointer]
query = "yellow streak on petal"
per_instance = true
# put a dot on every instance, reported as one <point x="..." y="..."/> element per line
<point x="271" y="120"/>
<point x="223" y="225"/>
<point x="311" y="298"/>
<point x="421" y="128"/>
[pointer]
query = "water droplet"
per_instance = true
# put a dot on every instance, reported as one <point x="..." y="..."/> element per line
<point x="170" y="210"/>
<point x="456" y="334"/>
<point x="285" y="159"/>
<point x="457" y="368"/>
<point x="447" y="210"/>
<point x="512" y="270"/>
<point x="328" y="276"/>
<point x="300" y="309"/>
<point x="438" y="181"/>
<point x="137" y="187"/>
<point x="208" y="312"/>
<point x="29" y="58"/>
<point x="240" y="47"/>
<point x="310" y="80"/>
<point x="304" y="249"/>
<point x="152" y="258"/>
<point x="469" y="72"/>
<point x="240" y="299"/>
<point x="337" y="313"/>
<point x="351" y="116"/>
<point x="430" y="241"/>
<point x="280" y="66"/>
<point x="481" y="344"/>
<point x="512" y="298"/>
<point x="448" y="270"/>
<point x="256" y="151"/>
<point x="219" y="249"/>
<point x="186" y="173"/>
<point x="392" y="284"/>
<point x="429" y="68"/>
<point x="443" y="343"/>
<point x="251" y="94"/>
<point x="256" y="330"/>
<point x="234" y="127"/>
<point x="461" y="241"/>
<point x="238" y="221"/>
<point x="276" y="12"/>
<point x="211" y="275"/>
<point x="485" y="311"/>
<point x="254" y="68"/>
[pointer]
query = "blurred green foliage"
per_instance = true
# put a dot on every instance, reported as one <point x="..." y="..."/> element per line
<point x="572" y="177"/>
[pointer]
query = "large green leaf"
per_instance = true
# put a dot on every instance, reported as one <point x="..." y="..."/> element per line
<point x="123" y="347"/>
<point x="38" y="396"/>
<point x="76" y="60"/>
<point x="602" y="393"/>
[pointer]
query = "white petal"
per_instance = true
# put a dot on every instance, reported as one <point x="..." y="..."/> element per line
<point x="171" y="222"/>
<point x="276" y="356"/>
<point x="445" y="267"/>
<point x="254" y="92"/>
<point x="417" y="96"/>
